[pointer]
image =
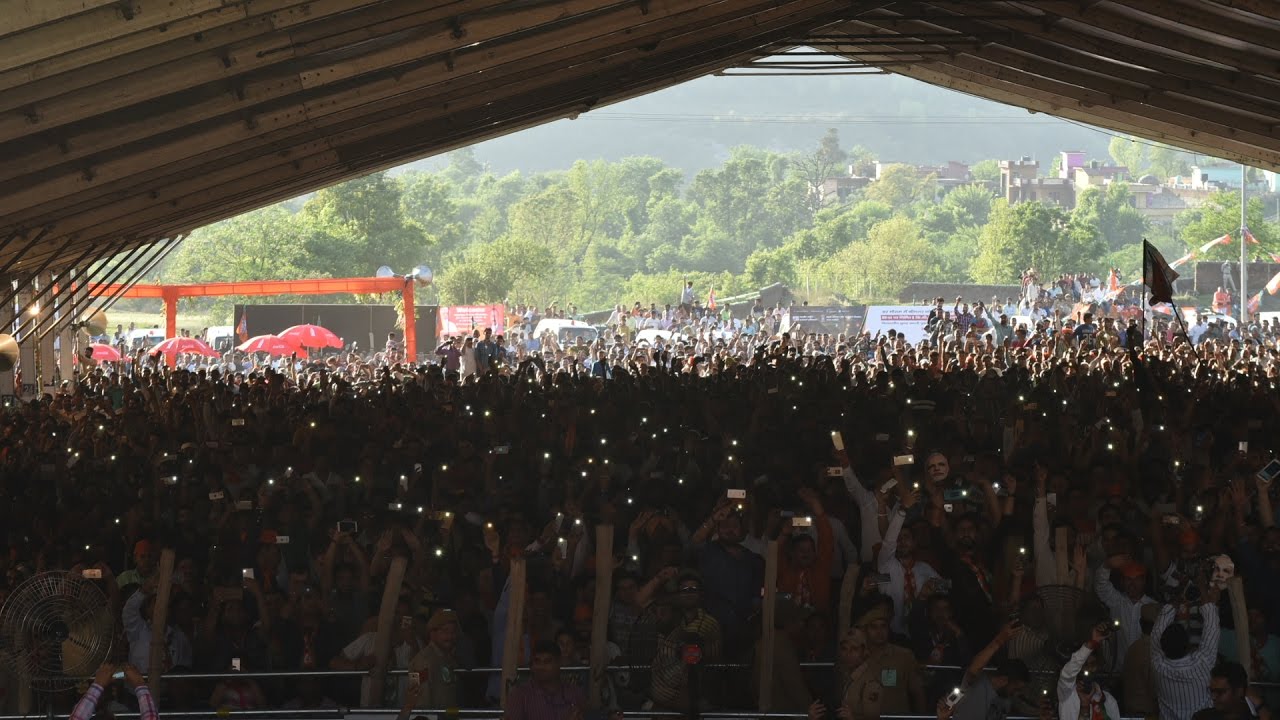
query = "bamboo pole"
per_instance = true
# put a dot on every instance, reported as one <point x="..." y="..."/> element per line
<point x="600" y="615"/>
<point x="160" y="621"/>
<point x="387" y="622"/>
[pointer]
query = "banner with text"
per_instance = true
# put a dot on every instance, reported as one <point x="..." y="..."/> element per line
<point x="462" y="319"/>
<point x="833" y="319"/>
<point x="908" y="320"/>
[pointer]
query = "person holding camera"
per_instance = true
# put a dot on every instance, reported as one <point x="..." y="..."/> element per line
<point x="102" y="679"/>
<point x="1078" y="687"/>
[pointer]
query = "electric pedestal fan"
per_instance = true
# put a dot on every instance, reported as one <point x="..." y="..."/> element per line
<point x="55" y="630"/>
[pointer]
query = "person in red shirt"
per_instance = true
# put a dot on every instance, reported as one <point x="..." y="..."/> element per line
<point x="804" y="567"/>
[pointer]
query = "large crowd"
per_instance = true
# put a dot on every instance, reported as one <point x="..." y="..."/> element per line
<point x="1043" y="523"/>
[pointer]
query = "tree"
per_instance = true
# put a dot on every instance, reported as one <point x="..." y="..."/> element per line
<point x="986" y="171"/>
<point x="971" y="204"/>
<point x="1130" y="153"/>
<point x="1032" y="234"/>
<point x="863" y="161"/>
<point x="1220" y="215"/>
<point x="893" y="255"/>
<point x="901" y="185"/>
<point x="824" y="162"/>
<point x="507" y="268"/>
<point x="259" y="245"/>
<point x="357" y="226"/>
<point x="427" y="201"/>
<point x="1167" y="162"/>
<point x="1111" y="213"/>
<point x="752" y="200"/>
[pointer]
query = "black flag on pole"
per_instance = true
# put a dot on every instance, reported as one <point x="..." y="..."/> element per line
<point x="1157" y="275"/>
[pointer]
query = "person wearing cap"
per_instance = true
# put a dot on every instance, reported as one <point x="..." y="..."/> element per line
<point x="893" y="667"/>
<point x="1125" y="604"/>
<point x="144" y="565"/>
<point x="437" y="662"/>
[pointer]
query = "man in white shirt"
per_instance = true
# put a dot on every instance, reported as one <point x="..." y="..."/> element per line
<point x="137" y="615"/>
<point x="1076" y="688"/>
<point x="1125" y="606"/>
<point x="907" y="577"/>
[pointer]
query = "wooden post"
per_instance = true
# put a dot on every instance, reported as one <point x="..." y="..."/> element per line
<point x="848" y="591"/>
<point x="160" y="620"/>
<point x="1240" y="614"/>
<point x="512" y="641"/>
<point x="387" y="622"/>
<point x="171" y="321"/>
<point x="769" y="605"/>
<point x="1062" y="554"/>
<point x="600" y="615"/>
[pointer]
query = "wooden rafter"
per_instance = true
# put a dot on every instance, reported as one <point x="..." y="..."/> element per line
<point x="136" y="120"/>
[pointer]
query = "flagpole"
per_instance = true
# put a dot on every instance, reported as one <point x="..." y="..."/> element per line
<point x="1244" y="253"/>
<point x="1145" y="303"/>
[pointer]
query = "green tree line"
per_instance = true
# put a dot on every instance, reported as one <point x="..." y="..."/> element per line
<point x="601" y="233"/>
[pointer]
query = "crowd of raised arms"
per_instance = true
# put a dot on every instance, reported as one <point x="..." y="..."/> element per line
<point x="1046" y="521"/>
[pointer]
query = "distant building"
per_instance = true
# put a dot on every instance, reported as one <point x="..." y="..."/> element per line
<point x="1095" y="174"/>
<point x="1019" y="183"/>
<point x="1068" y="161"/>
<point x="835" y="190"/>
<point x="957" y="172"/>
<point x="1213" y="177"/>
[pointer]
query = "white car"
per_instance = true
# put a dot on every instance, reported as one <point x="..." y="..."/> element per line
<point x="566" y="332"/>
<point x="650" y="336"/>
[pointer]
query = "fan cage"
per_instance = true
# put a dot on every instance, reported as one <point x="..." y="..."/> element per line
<point x="55" y="629"/>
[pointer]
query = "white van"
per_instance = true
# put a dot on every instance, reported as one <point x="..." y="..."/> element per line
<point x="145" y="338"/>
<point x="567" y="332"/>
<point x="221" y="338"/>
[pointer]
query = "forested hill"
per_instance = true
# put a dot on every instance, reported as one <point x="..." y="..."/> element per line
<point x="694" y="125"/>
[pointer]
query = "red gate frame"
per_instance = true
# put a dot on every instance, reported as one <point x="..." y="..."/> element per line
<point x="323" y="286"/>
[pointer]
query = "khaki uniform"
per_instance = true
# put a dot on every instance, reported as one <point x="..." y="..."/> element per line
<point x="895" y="670"/>
<point x="439" y="678"/>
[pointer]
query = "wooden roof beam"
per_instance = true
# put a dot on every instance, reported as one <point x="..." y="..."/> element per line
<point x="1061" y="100"/>
<point x="255" y="42"/>
<point x="261" y="53"/>
<point x="19" y="15"/>
<point x="1066" y="52"/>
<point x="178" y="38"/>
<point x="1105" y="18"/>
<point x="1224" y="121"/>
<point x="1258" y="31"/>
<point x="202" y="187"/>
<point x="108" y="22"/>
<point x="302" y="120"/>
<point x="1189" y="72"/>
<point x="1264" y="8"/>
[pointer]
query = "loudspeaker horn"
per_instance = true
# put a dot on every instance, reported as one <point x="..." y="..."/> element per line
<point x="96" y="323"/>
<point x="8" y="352"/>
<point x="422" y="275"/>
<point x="384" y="272"/>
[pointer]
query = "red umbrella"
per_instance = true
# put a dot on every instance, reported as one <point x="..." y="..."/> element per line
<point x="311" y="336"/>
<point x="105" y="353"/>
<point x="174" y="346"/>
<point x="272" y="344"/>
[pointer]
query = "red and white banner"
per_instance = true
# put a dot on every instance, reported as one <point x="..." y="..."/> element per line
<point x="1273" y="285"/>
<point x="1184" y="259"/>
<point x="1224" y="240"/>
<point x="462" y="319"/>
